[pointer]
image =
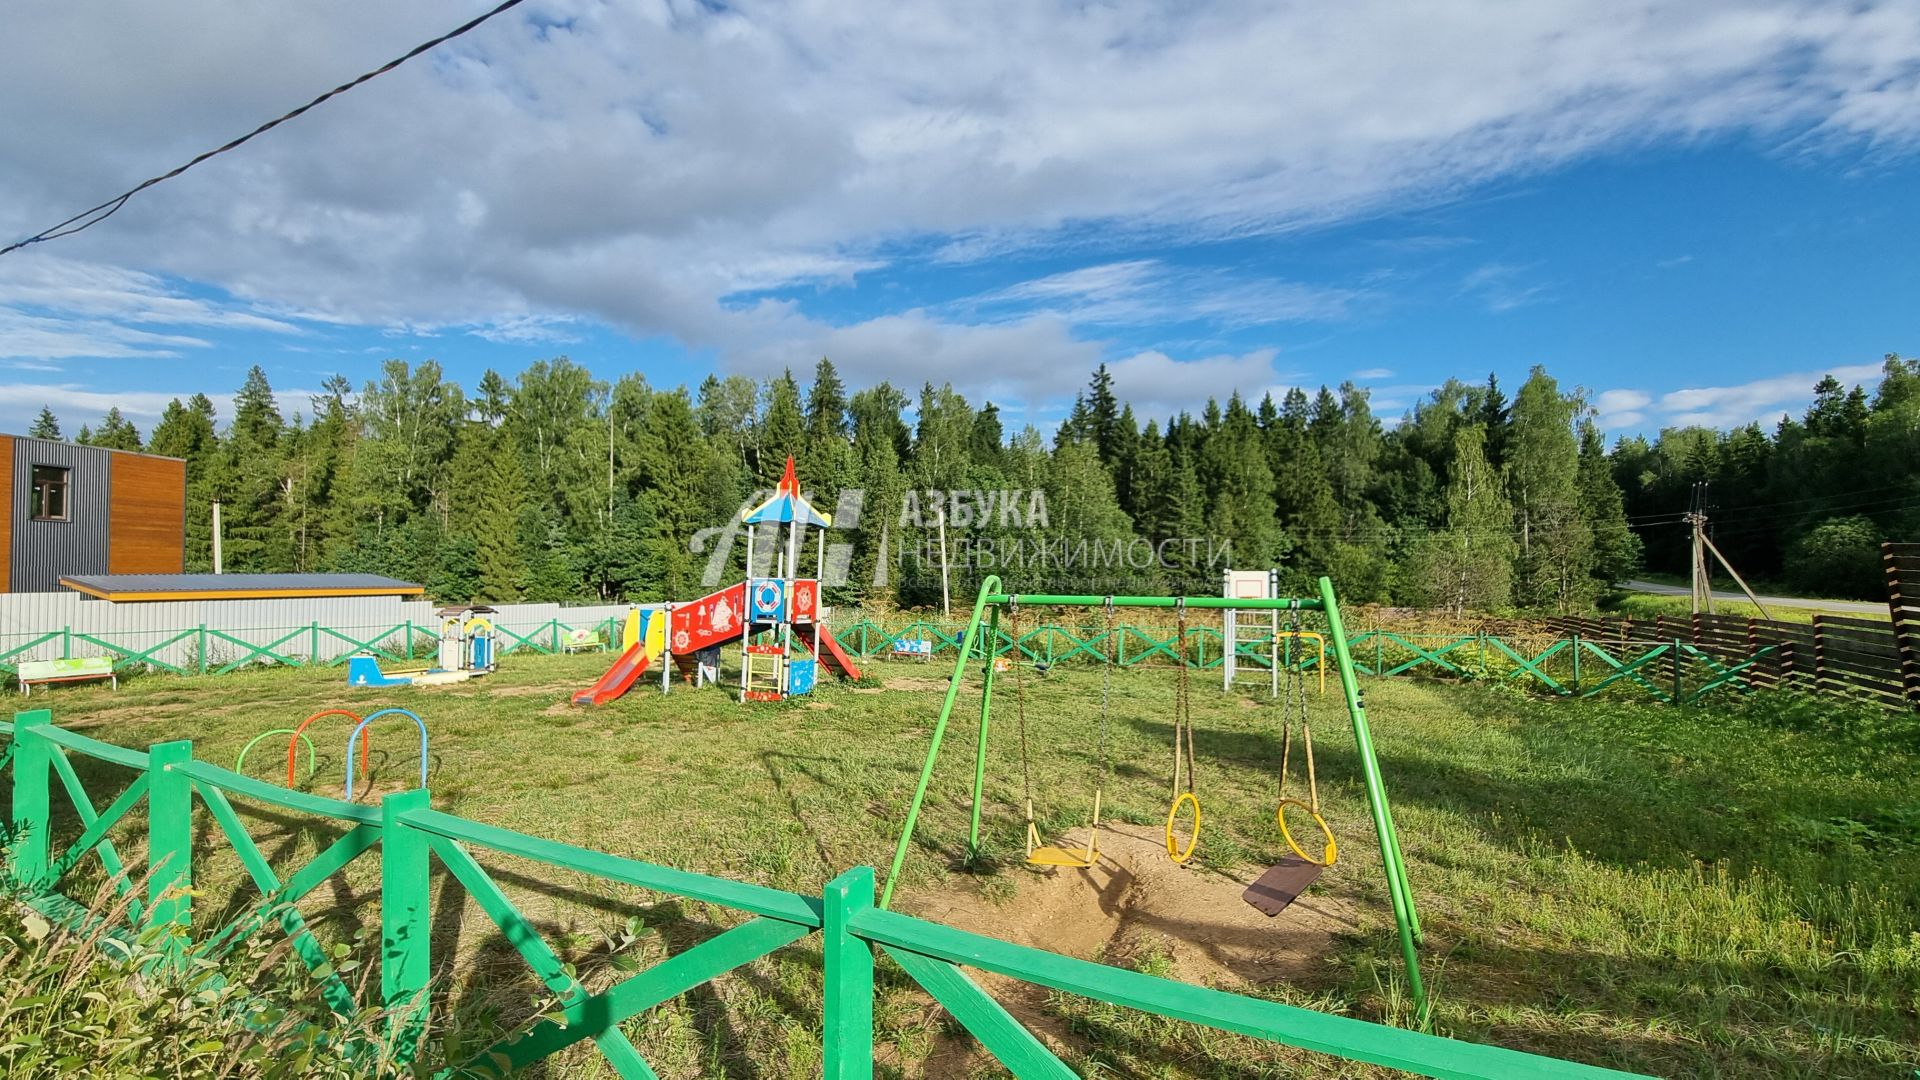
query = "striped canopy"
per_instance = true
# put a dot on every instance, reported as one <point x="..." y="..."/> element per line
<point x="787" y="505"/>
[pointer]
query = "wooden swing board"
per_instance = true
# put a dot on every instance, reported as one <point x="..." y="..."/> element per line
<point x="1053" y="856"/>
<point x="1272" y="892"/>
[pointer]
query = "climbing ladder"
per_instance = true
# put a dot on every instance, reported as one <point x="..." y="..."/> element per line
<point x="1251" y="627"/>
<point x="762" y="673"/>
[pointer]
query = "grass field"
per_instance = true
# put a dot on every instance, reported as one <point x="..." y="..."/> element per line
<point x="1676" y="891"/>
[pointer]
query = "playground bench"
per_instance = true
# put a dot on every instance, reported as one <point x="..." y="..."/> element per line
<point x="915" y="648"/>
<point x="583" y="642"/>
<point x="85" y="669"/>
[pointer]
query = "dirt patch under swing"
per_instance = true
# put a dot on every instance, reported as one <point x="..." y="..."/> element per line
<point x="1133" y="904"/>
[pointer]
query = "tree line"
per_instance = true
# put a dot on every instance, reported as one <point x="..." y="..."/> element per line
<point x="559" y="486"/>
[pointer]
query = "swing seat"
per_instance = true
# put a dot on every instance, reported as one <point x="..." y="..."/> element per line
<point x="1274" y="891"/>
<point x="1048" y="855"/>
<point x="1053" y="856"/>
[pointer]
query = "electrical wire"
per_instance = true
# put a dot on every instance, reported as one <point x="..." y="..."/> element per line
<point x="87" y="219"/>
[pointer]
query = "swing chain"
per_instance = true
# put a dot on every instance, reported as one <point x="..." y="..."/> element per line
<point x="1020" y="704"/>
<point x="1294" y="704"/>
<point x="1106" y="688"/>
<point x="1182" y="708"/>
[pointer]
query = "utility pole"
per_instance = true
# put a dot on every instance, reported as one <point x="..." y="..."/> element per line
<point x="1696" y="516"/>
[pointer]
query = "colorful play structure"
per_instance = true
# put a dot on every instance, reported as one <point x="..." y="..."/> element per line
<point x="468" y="649"/>
<point x="297" y="737"/>
<point x="1279" y="885"/>
<point x="777" y="619"/>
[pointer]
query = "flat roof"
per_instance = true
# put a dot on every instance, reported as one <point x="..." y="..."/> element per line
<point x="85" y="446"/>
<point x="122" y="588"/>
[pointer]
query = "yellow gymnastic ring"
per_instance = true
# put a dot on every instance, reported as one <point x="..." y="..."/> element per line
<point x="1332" y="854"/>
<point x="1174" y="851"/>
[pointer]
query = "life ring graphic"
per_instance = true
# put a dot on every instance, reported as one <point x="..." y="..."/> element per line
<point x="766" y="597"/>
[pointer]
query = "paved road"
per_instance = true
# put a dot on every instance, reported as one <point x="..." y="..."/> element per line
<point x="1860" y="606"/>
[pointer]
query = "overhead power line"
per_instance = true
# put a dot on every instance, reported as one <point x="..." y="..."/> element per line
<point x="88" y="218"/>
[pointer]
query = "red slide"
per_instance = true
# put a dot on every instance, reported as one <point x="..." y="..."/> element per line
<point x="834" y="657"/>
<point x="623" y="674"/>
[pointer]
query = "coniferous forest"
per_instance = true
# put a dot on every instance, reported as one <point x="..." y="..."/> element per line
<point x="560" y="486"/>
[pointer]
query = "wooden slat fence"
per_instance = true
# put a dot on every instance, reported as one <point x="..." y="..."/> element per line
<point x="1833" y="654"/>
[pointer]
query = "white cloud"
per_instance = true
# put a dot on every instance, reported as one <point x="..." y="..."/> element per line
<point x="54" y="308"/>
<point x="1372" y="374"/>
<point x="1148" y="292"/>
<point x="647" y="164"/>
<point x="1155" y="384"/>
<point x="1764" y="400"/>
<point x="77" y="405"/>
<point x="1609" y="402"/>
<point x="1501" y="287"/>
<point x="528" y="329"/>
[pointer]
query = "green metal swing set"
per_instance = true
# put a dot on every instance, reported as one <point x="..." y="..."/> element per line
<point x="987" y="607"/>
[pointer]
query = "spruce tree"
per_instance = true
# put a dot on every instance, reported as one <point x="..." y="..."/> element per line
<point x="116" y="432"/>
<point x="782" y="431"/>
<point x="1616" y="547"/>
<point x="45" y="426"/>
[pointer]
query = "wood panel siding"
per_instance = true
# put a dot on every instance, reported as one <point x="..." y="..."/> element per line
<point x="147" y="515"/>
<point x="6" y="505"/>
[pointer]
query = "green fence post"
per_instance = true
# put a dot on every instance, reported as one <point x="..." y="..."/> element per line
<point x="32" y="806"/>
<point x="1576" y="665"/>
<point x="1379" y="654"/>
<point x="846" y="1035"/>
<point x="409" y="639"/>
<point x="555" y="638"/>
<point x="170" y="844"/>
<point x="406" y="920"/>
<point x="313" y="645"/>
<point x="66" y="643"/>
<point x="203" y="648"/>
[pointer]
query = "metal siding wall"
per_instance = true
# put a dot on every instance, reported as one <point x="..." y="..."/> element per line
<point x="140" y="627"/>
<point x="44" y="550"/>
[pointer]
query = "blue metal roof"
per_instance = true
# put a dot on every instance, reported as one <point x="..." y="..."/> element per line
<point x="222" y="586"/>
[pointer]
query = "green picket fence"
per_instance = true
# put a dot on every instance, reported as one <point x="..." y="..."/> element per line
<point x="1570" y="665"/>
<point x="407" y="836"/>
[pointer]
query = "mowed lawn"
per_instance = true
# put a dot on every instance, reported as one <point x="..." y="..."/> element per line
<point x="1685" y="892"/>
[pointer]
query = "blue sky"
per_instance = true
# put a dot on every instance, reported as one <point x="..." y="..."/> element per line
<point x="1692" y="211"/>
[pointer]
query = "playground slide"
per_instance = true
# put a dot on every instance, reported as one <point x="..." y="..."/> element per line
<point x="833" y="656"/>
<point x="623" y="674"/>
<point x="632" y="664"/>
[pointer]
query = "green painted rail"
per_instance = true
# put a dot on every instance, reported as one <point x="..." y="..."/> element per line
<point x="408" y="836"/>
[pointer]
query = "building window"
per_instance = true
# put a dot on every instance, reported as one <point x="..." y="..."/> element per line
<point x="49" y="493"/>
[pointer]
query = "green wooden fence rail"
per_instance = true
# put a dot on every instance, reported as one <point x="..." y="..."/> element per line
<point x="407" y="836"/>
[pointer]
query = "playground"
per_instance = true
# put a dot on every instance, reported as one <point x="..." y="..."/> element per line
<point x="1674" y="891"/>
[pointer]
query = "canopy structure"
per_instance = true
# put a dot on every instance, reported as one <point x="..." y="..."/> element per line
<point x="787" y="507"/>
